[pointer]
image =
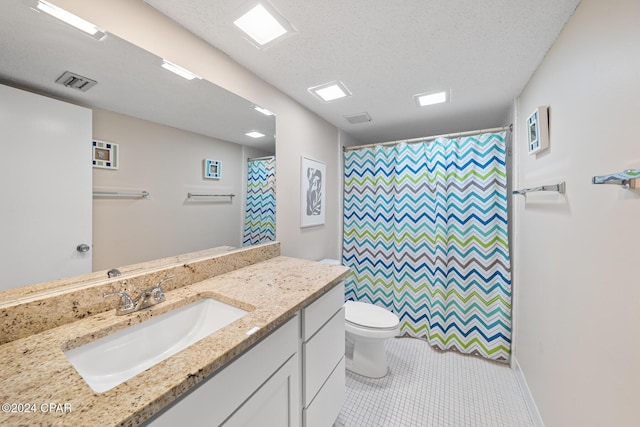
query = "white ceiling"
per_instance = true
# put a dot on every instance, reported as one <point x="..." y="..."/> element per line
<point x="35" y="49"/>
<point x="483" y="52"/>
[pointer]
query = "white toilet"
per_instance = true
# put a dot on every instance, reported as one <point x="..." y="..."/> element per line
<point x="367" y="327"/>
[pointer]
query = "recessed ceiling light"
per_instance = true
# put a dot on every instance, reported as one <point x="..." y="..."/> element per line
<point x="263" y="24"/>
<point x="263" y="110"/>
<point x="71" y="19"/>
<point x="254" y="134"/>
<point x="423" y="99"/>
<point x="330" y="91"/>
<point x="178" y="70"/>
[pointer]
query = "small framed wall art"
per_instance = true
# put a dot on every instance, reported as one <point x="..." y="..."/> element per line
<point x="212" y="169"/>
<point x="538" y="130"/>
<point x="312" y="193"/>
<point x="104" y="154"/>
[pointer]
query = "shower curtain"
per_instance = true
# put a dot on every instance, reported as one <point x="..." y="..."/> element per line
<point x="425" y="234"/>
<point x="260" y="214"/>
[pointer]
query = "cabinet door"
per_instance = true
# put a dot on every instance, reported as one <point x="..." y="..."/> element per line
<point x="276" y="403"/>
<point x="46" y="191"/>
<point x="216" y="400"/>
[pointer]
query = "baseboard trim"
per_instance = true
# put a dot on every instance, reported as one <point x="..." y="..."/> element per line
<point x="528" y="397"/>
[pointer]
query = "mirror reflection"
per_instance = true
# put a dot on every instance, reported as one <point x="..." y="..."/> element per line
<point x="171" y="138"/>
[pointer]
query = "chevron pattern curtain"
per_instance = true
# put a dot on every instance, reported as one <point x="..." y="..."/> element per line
<point x="425" y="234"/>
<point x="260" y="215"/>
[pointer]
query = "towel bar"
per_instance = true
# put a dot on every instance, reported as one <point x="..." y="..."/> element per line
<point x="626" y="178"/>
<point x="559" y="187"/>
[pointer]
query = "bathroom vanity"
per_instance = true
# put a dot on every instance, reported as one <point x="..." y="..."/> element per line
<point x="281" y="363"/>
<point x="265" y="385"/>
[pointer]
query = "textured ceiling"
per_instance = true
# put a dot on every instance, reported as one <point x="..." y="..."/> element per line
<point x="483" y="52"/>
<point x="36" y="49"/>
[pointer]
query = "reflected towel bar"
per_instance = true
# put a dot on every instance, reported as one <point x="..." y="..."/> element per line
<point x="106" y="193"/>
<point x="559" y="187"/>
<point x="192" y="195"/>
<point x="626" y="178"/>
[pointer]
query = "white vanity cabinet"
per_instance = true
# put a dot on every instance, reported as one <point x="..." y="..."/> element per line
<point x="323" y="370"/>
<point x="259" y="388"/>
<point x="295" y="376"/>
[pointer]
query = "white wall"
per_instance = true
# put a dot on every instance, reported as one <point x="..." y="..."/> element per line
<point x="298" y="131"/>
<point x="168" y="163"/>
<point x="577" y="286"/>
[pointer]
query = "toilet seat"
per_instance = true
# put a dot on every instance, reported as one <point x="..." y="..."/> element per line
<point x="369" y="316"/>
<point x="355" y="326"/>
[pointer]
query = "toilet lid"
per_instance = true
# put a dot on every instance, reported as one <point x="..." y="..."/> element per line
<point x="369" y="315"/>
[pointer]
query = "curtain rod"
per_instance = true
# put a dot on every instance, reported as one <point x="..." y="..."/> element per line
<point x="260" y="158"/>
<point x="430" y="138"/>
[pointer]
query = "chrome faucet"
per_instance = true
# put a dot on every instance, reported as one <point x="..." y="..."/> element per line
<point x="147" y="298"/>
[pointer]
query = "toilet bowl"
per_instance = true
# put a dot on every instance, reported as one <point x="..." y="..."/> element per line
<point x="367" y="326"/>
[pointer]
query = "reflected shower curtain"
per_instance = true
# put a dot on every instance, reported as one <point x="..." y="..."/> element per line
<point x="425" y="234"/>
<point x="260" y="215"/>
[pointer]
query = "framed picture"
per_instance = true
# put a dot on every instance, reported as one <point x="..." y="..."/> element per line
<point x="538" y="130"/>
<point x="212" y="169"/>
<point x="312" y="192"/>
<point x="104" y="154"/>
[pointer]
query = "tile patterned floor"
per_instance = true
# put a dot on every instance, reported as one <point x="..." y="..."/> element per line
<point x="429" y="388"/>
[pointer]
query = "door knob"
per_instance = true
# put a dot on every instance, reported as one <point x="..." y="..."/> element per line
<point x="83" y="247"/>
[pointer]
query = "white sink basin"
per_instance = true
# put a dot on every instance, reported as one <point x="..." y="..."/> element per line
<point x="112" y="360"/>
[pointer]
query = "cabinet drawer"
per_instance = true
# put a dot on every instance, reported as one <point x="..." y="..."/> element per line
<point x="321" y="354"/>
<point x="316" y="314"/>
<point x="327" y="404"/>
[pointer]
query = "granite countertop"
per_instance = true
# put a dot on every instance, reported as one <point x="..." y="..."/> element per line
<point x="41" y="387"/>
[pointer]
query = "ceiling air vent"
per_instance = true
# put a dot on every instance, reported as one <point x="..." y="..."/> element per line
<point x="358" y="118"/>
<point x="76" y="81"/>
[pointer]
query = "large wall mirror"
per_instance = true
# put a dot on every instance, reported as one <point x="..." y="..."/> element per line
<point x="165" y="127"/>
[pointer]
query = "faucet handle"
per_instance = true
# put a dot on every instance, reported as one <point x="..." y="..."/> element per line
<point x="156" y="291"/>
<point x="125" y="304"/>
<point x="166" y="279"/>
